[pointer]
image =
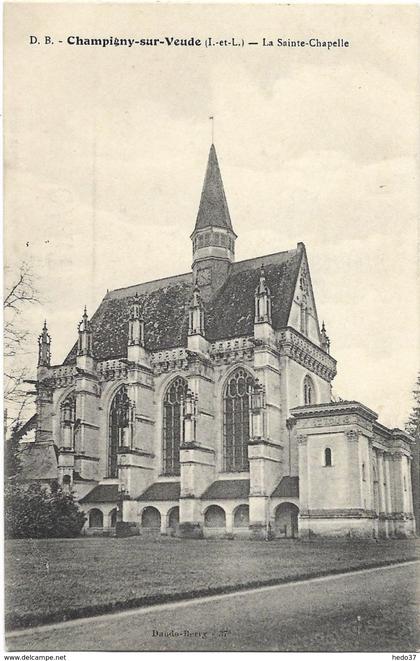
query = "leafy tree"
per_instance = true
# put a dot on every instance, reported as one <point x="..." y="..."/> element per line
<point x="413" y="422"/>
<point x="36" y="511"/>
<point x="413" y="428"/>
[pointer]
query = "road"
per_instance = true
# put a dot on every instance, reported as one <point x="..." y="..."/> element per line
<point x="369" y="610"/>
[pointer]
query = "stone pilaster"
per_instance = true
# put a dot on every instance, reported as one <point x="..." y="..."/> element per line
<point x="198" y="450"/>
<point x="136" y="461"/>
<point x="354" y="470"/>
<point x="86" y="433"/>
<point x="44" y="409"/>
<point x="382" y="505"/>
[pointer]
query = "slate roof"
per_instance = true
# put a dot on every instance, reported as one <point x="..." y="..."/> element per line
<point x="162" y="491"/>
<point x="102" y="493"/>
<point x="165" y="302"/>
<point x="38" y="461"/>
<point x="288" y="487"/>
<point x="225" y="489"/>
<point x="213" y="209"/>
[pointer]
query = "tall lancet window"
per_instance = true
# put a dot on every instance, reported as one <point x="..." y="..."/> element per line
<point x="308" y="391"/>
<point x="119" y="428"/>
<point x="173" y="403"/>
<point x="236" y="421"/>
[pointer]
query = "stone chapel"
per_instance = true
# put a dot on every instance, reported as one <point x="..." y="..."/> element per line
<point x="200" y="405"/>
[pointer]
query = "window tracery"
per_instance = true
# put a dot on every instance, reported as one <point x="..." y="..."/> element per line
<point x="236" y="418"/>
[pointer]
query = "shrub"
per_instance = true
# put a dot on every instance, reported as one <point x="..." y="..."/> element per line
<point x="36" y="511"/>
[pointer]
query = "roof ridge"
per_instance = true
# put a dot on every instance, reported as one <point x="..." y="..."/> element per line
<point x="148" y="282"/>
<point x="188" y="273"/>
<point x="272" y="254"/>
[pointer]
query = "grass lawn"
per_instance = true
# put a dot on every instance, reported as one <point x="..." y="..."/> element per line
<point x="52" y="580"/>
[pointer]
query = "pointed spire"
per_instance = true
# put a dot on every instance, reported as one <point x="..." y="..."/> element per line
<point x="44" y="347"/>
<point x="213" y="210"/>
<point x="84" y="324"/>
<point x="325" y="340"/>
<point x="85" y="335"/>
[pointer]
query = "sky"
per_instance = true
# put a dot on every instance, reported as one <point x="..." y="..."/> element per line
<point x="106" y="149"/>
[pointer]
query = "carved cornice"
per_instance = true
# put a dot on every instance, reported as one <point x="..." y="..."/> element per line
<point x="170" y="360"/>
<point x="225" y="352"/>
<point x="297" y="347"/>
<point x="112" y="370"/>
<point x="346" y="408"/>
<point x="63" y="376"/>
<point x="338" y="514"/>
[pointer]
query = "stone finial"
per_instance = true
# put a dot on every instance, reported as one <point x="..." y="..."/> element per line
<point x="136" y="323"/>
<point x="325" y="340"/>
<point x="44" y="347"/>
<point x="262" y="300"/>
<point x="196" y="313"/>
<point x="85" y="336"/>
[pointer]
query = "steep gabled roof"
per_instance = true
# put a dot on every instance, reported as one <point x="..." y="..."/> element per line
<point x="213" y="209"/>
<point x="230" y="313"/>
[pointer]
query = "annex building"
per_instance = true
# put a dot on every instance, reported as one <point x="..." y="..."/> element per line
<point x="200" y="405"/>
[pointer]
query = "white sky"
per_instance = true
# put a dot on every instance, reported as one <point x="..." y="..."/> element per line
<point x="106" y="152"/>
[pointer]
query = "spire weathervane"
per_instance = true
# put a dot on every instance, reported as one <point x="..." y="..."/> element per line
<point x="212" y="129"/>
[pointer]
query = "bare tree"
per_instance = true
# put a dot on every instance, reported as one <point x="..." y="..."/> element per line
<point x="20" y="293"/>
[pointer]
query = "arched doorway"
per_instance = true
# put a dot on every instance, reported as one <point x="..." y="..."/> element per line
<point x="150" y="518"/>
<point x="215" y="517"/>
<point x="286" y="520"/>
<point x="96" y="519"/>
<point x="173" y="519"/>
<point x="113" y="518"/>
<point x="241" y="517"/>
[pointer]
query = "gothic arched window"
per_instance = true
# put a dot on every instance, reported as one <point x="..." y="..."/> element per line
<point x="172" y="425"/>
<point x="236" y="421"/>
<point x="68" y="408"/>
<point x="308" y="391"/>
<point x="119" y="428"/>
